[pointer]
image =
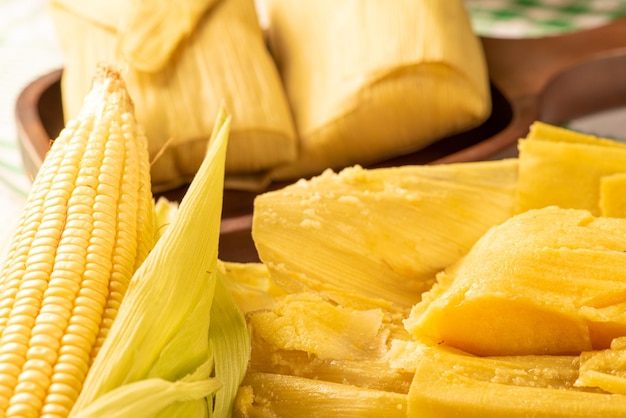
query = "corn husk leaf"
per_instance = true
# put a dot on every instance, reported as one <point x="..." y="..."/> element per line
<point x="165" y="213"/>
<point x="558" y="166"/>
<point x="151" y="31"/>
<point x="149" y="398"/>
<point x="162" y="329"/>
<point x="377" y="238"/>
<point x="274" y="395"/>
<point x="230" y="342"/>
<point x="369" y="80"/>
<point x="449" y="383"/>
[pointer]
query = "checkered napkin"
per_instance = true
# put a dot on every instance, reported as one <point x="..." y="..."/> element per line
<point x="535" y="18"/>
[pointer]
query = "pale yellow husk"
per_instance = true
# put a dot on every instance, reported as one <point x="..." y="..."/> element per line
<point x="273" y="395"/>
<point x="183" y="59"/>
<point x="369" y="80"/>
<point x="377" y="238"/>
<point x="558" y="166"/>
<point x="452" y="383"/>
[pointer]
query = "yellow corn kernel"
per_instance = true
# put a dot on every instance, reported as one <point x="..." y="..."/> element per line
<point x="86" y="227"/>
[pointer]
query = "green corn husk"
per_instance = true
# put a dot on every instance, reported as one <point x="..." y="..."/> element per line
<point x="154" y="397"/>
<point x="229" y="340"/>
<point x="165" y="212"/>
<point x="168" y="325"/>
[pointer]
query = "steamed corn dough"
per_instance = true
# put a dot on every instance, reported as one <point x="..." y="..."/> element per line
<point x="371" y="79"/>
<point x="548" y="281"/>
<point x="181" y="60"/>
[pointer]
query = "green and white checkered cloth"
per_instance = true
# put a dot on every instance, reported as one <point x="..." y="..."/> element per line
<point x="28" y="49"/>
<point x="534" y="18"/>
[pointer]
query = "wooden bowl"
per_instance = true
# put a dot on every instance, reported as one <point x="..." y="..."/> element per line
<point x="553" y="79"/>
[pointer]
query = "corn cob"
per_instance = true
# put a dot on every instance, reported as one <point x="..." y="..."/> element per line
<point x="87" y="225"/>
<point x="180" y="278"/>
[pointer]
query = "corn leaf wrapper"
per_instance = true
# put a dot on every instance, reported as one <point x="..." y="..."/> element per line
<point x="167" y="327"/>
<point x="452" y="383"/>
<point x="370" y="80"/>
<point x="558" y="166"/>
<point x="157" y="397"/>
<point x="183" y="60"/>
<point x="275" y="395"/>
<point x="377" y="238"/>
<point x="230" y="342"/>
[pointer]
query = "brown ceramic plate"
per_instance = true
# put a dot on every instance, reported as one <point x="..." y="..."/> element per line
<point x="553" y="79"/>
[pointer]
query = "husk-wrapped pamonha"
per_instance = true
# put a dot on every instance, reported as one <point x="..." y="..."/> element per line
<point x="370" y="80"/>
<point x="358" y="81"/>
<point x="183" y="60"/>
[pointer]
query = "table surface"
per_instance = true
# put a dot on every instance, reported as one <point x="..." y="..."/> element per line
<point x="28" y="49"/>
